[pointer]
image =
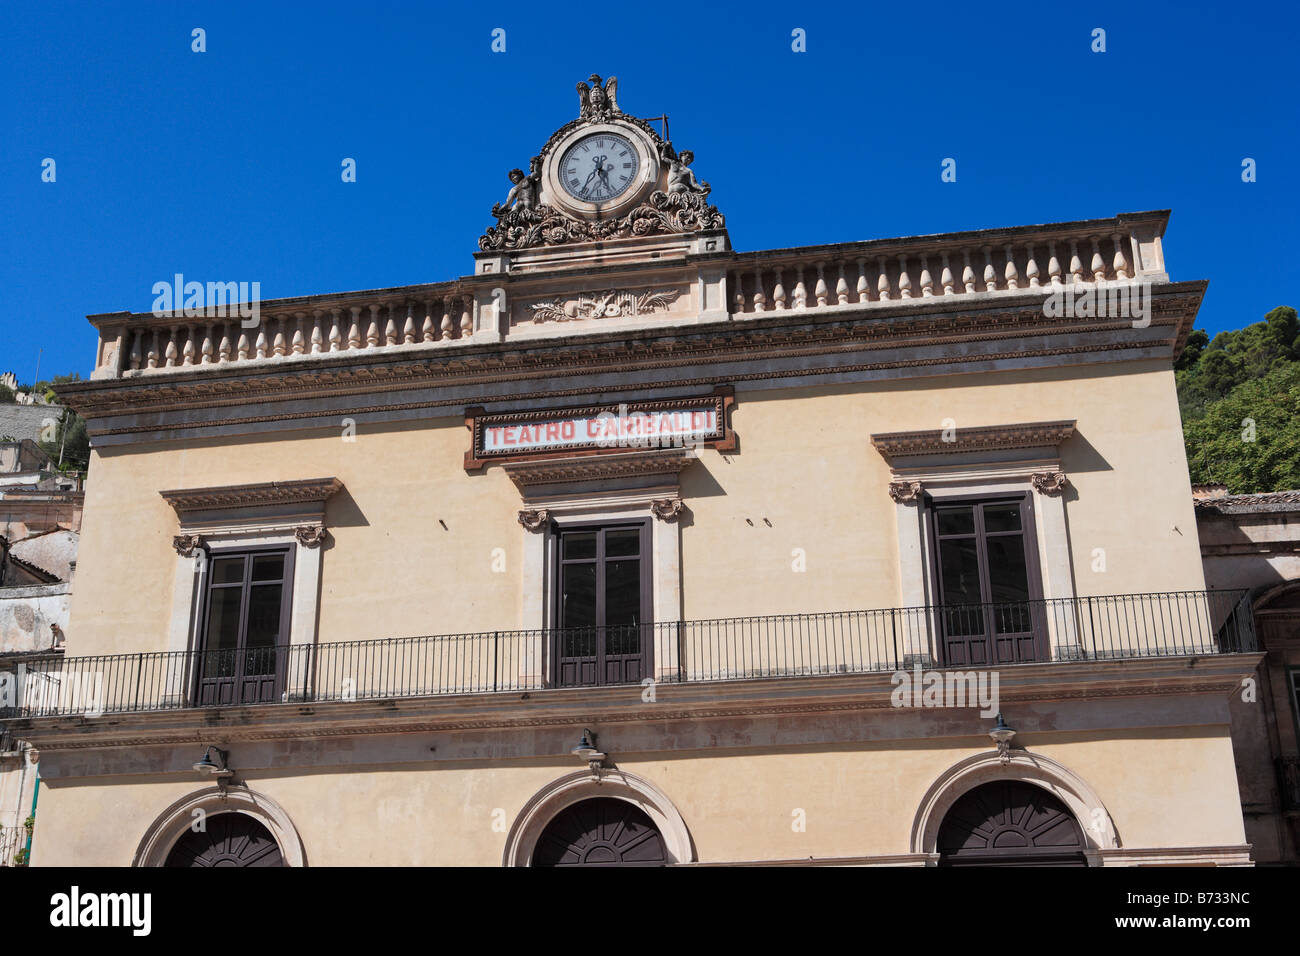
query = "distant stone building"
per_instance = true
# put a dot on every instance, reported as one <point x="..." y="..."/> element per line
<point x="40" y="525"/>
<point x="1252" y="542"/>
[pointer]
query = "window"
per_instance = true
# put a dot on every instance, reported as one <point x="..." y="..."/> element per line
<point x="987" y="581"/>
<point x="245" y="634"/>
<point x="603" y="610"/>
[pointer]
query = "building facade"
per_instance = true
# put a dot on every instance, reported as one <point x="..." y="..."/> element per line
<point x="1252" y="542"/>
<point x="834" y="554"/>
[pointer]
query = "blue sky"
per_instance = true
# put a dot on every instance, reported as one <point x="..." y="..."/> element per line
<point x="225" y="165"/>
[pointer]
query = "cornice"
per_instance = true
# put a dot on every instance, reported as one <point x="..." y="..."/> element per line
<point x="299" y="491"/>
<point x="529" y="473"/>
<point x="980" y="438"/>
<point x="567" y="707"/>
<point x="895" y="328"/>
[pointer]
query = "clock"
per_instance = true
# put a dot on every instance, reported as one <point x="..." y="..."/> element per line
<point x="599" y="168"/>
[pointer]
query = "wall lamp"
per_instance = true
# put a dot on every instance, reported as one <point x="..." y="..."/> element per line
<point x="213" y="768"/>
<point x="1002" y="735"/>
<point x="586" y="750"/>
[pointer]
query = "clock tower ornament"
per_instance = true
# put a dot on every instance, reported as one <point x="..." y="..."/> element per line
<point x="604" y="176"/>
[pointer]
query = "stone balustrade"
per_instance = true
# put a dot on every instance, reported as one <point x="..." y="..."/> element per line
<point x="705" y="288"/>
<point x="149" y="343"/>
<point x="887" y="273"/>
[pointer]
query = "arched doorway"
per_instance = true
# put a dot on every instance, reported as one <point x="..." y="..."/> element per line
<point x="1010" y="823"/>
<point x="228" y="839"/>
<point x="600" y="832"/>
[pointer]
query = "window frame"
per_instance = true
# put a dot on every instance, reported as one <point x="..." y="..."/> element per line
<point x="1033" y="569"/>
<point x="647" y="568"/>
<point x="200" y="648"/>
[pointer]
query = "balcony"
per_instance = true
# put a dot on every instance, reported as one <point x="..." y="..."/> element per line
<point x="1288" y="782"/>
<point x="1107" y="628"/>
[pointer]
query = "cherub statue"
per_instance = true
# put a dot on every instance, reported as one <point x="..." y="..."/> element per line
<point x="597" y="101"/>
<point x="681" y="178"/>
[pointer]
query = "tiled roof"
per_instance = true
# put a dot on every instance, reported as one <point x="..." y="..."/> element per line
<point x="1243" y="504"/>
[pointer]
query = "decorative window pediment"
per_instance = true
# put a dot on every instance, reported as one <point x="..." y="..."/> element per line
<point x="296" y="505"/>
<point x="996" y="440"/>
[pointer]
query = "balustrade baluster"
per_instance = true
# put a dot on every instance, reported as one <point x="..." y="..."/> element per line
<point x="1120" y="264"/>
<point x="354" y="330"/>
<point x="390" y="327"/>
<point x="408" y="330"/>
<point x="336" y="333"/>
<point x="299" y="342"/>
<point x="1011" y="275"/>
<point x="446" y="318"/>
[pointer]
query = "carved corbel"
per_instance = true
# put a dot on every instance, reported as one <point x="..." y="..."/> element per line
<point x="187" y="544"/>
<point x="535" y="519"/>
<point x="905" y="491"/>
<point x="310" y="536"/>
<point x="667" y="509"/>
<point x="1049" y="482"/>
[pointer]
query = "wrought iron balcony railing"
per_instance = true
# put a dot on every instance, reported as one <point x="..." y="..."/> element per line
<point x="970" y="636"/>
<point x="1288" y="782"/>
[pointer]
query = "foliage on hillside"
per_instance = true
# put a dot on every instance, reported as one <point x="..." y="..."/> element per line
<point x="1240" y="399"/>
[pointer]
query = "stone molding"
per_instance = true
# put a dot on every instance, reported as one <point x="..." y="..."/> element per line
<point x="965" y="440"/>
<point x="187" y="545"/>
<point x="176" y="819"/>
<point x="763" y="339"/>
<point x="563" y="707"/>
<point x="1049" y="482"/>
<point x="529" y="474"/>
<point x="309" y="536"/>
<point x="306" y="490"/>
<point x="905" y="491"/>
<point x="535" y="519"/>
<point x="1034" y="768"/>
<point x="575" y="787"/>
<point x="667" y="509"/>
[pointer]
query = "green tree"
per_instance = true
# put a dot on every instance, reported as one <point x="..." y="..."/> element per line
<point x="1250" y="439"/>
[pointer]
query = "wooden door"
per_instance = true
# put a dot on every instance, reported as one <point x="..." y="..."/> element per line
<point x="246" y="628"/>
<point x="988" y="583"/>
<point x="600" y="832"/>
<point x="228" y="839"/>
<point x="603" y="634"/>
<point x="1010" y="823"/>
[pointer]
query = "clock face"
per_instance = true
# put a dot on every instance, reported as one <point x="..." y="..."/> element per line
<point x="599" y="167"/>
